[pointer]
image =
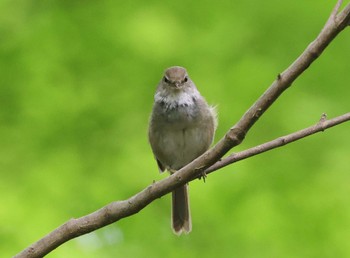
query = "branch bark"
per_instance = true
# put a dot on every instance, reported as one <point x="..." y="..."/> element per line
<point x="121" y="209"/>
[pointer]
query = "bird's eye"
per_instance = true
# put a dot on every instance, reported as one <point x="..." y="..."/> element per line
<point x="166" y="79"/>
<point x="186" y="79"/>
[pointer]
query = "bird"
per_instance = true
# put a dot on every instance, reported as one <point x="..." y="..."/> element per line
<point x="181" y="128"/>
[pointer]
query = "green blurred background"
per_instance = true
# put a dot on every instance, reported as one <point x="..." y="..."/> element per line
<point x="77" y="80"/>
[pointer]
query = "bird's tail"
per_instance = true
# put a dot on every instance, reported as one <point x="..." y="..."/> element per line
<point x="181" y="217"/>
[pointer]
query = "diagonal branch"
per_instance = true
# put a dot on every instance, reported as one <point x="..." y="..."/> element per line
<point x="121" y="209"/>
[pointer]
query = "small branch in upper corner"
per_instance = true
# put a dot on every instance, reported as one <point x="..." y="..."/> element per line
<point x="336" y="9"/>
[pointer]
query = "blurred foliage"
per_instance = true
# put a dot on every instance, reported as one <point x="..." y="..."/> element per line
<point x="76" y="88"/>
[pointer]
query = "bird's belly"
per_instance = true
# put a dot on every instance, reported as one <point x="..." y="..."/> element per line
<point x="180" y="147"/>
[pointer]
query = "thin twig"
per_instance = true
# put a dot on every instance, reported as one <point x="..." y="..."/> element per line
<point x="321" y="126"/>
<point x="336" y="9"/>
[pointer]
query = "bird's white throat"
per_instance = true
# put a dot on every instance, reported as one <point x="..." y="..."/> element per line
<point x="173" y="99"/>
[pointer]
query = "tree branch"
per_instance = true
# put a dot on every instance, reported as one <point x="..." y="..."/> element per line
<point x="121" y="209"/>
<point x="321" y="126"/>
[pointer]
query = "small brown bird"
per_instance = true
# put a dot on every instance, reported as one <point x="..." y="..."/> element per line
<point x="181" y="128"/>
